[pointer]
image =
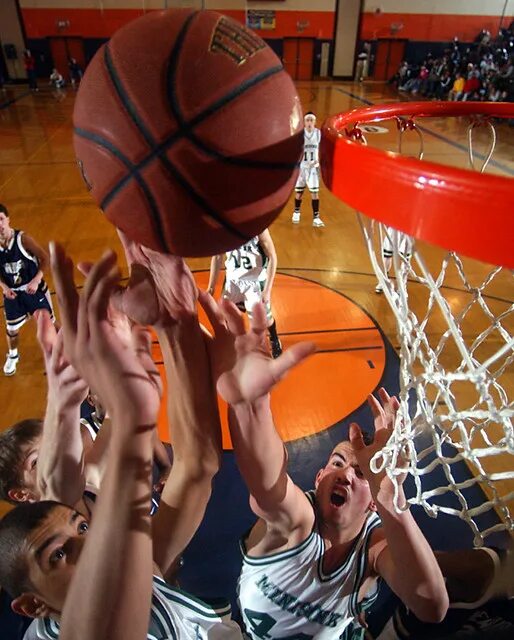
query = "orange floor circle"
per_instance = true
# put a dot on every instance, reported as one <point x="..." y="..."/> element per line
<point x="336" y="380"/>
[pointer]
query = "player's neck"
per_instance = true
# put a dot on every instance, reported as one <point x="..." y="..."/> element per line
<point x="5" y="239"/>
<point x="339" y="536"/>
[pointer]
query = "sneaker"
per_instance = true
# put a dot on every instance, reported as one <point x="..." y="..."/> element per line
<point x="379" y="288"/>
<point x="317" y="222"/>
<point x="296" y="217"/>
<point x="11" y="362"/>
<point x="276" y="348"/>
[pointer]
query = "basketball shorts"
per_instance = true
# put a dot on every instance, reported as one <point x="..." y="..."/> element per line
<point x="245" y="294"/>
<point x="308" y="177"/>
<point x="18" y="310"/>
<point x="395" y="240"/>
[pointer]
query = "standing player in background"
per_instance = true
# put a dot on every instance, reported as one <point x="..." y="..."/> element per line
<point x="309" y="171"/>
<point x="393" y="241"/>
<point x="250" y="273"/>
<point x="22" y="262"/>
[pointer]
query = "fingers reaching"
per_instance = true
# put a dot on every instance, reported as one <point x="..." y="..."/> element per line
<point x="356" y="437"/>
<point x="290" y="358"/>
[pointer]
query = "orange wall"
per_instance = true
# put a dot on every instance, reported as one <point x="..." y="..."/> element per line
<point x="429" y="27"/>
<point x="93" y="23"/>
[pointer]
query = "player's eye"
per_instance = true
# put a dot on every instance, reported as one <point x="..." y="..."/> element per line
<point x="56" y="556"/>
<point x="83" y="527"/>
<point x="33" y="464"/>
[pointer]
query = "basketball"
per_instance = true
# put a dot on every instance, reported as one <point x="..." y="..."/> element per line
<point x="188" y="132"/>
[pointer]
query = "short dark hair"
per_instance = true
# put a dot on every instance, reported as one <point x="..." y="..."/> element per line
<point x="3" y="209"/>
<point x="309" y="113"/>
<point x="12" y="441"/>
<point x="15" y="528"/>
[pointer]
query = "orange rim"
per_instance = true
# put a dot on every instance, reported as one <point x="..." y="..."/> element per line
<point x="457" y="209"/>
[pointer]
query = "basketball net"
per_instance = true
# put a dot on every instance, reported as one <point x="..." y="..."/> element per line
<point x="455" y="406"/>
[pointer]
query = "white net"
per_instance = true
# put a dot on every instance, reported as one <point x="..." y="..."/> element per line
<point x="455" y="321"/>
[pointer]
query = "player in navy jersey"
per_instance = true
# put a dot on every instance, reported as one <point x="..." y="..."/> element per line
<point x="309" y="171"/>
<point x="311" y="564"/>
<point x="22" y="262"/>
<point x="102" y="577"/>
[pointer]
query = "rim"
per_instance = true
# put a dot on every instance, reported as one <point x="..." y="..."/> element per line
<point x="460" y="210"/>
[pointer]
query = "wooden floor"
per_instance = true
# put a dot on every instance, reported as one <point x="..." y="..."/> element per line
<point x="41" y="186"/>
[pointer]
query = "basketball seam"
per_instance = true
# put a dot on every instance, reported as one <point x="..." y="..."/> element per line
<point x="108" y="146"/>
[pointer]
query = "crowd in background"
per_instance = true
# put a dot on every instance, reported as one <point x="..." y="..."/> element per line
<point x="483" y="70"/>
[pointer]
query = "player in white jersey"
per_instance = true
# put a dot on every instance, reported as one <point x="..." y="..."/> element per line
<point x="104" y="579"/>
<point x="249" y="275"/>
<point x="311" y="568"/>
<point x="309" y="171"/>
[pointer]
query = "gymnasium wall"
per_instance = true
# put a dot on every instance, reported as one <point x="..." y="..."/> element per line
<point x="430" y="23"/>
<point x="433" y="20"/>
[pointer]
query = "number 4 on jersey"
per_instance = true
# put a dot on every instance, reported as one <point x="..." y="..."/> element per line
<point x="261" y="623"/>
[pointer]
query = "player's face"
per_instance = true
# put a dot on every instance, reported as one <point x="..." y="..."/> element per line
<point x="53" y="550"/>
<point x="343" y="495"/>
<point x="5" y="227"/>
<point x="28" y="472"/>
<point x="309" y="122"/>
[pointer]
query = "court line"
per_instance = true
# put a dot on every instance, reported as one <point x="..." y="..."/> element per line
<point x="438" y="136"/>
<point x="4" y="105"/>
<point x="316" y="331"/>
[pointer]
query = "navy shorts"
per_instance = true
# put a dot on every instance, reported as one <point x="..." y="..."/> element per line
<point x="19" y="309"/>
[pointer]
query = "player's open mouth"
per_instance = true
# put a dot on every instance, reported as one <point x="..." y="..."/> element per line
<point x="337" y="498"/>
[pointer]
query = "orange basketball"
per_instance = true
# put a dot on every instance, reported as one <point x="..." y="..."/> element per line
<point x="188" y="132"/>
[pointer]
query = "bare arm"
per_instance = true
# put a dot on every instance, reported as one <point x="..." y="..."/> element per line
<point x="214" y="273"/>
<point x="271" y="270"/>
<point x="192" y="407"/>
<point x="196" y="436"/>
<point x="110" y="594"/>
<point x="60" y="468"/>
<point x="262" y="460"/>
<point x="36" y="250"/>
<point x="399" y="551"/>
<point x="245" y="375"/>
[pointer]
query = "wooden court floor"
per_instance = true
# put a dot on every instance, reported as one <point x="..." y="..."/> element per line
<point x="41" y="186"/>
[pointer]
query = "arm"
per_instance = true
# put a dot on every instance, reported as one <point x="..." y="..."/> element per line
<point x="399" y="552"/>
<point x="60" y="468"/>
<point x="245" y="375"/>
<point x="110" y="594"/>
<point x="33" y="247"/>
<point x="192" y="407"/>
<point x="214" y="273"/>
<point x="271" y="270"/>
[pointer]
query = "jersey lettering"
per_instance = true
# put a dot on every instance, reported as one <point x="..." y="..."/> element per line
<point x="261" y="623"/>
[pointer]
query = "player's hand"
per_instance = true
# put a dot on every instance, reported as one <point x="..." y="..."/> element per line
<point x="241" y="365"/>
<point x="161" y="290"/>
<point x="384" y="416"/>
<point x="65" y="387"/>
<point x="121" y="372"/>
<point x="33" y="285"/>
<point x="8" y="293"/>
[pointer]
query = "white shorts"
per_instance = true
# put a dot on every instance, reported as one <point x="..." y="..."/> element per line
<point x="245" y="293"/>
<point x="308" y="177"/>
<point x="392" y="240"/>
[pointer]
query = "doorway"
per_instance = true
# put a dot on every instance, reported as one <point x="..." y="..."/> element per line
<point x="298" y="57"/>
<point x="64" y="48"/>
<point x="388" y="56"/>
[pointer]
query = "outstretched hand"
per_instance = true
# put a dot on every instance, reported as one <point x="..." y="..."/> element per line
<point x="384" y="416"/>
<point x="65" y="386"/>
<point x="120" y="370"/>
<point x="161" y="289"/>
<point x="241" y="365"/>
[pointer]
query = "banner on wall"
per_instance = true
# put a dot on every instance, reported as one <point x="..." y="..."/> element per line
<point x="264" y="19"/>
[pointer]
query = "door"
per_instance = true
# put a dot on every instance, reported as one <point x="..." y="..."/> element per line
<point x="389" y="54"/>
<point x="62" y="49"/>
<point x="298" y="57"/>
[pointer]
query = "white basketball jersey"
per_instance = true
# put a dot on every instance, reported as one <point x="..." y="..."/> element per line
<point x="246" y="263"/>
<point x="288" y="595"/>
<point x="310" y="147"/>
<point x="175" y="615"/>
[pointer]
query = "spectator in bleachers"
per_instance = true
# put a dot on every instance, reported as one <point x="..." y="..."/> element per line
<point x="457" y="88"/>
